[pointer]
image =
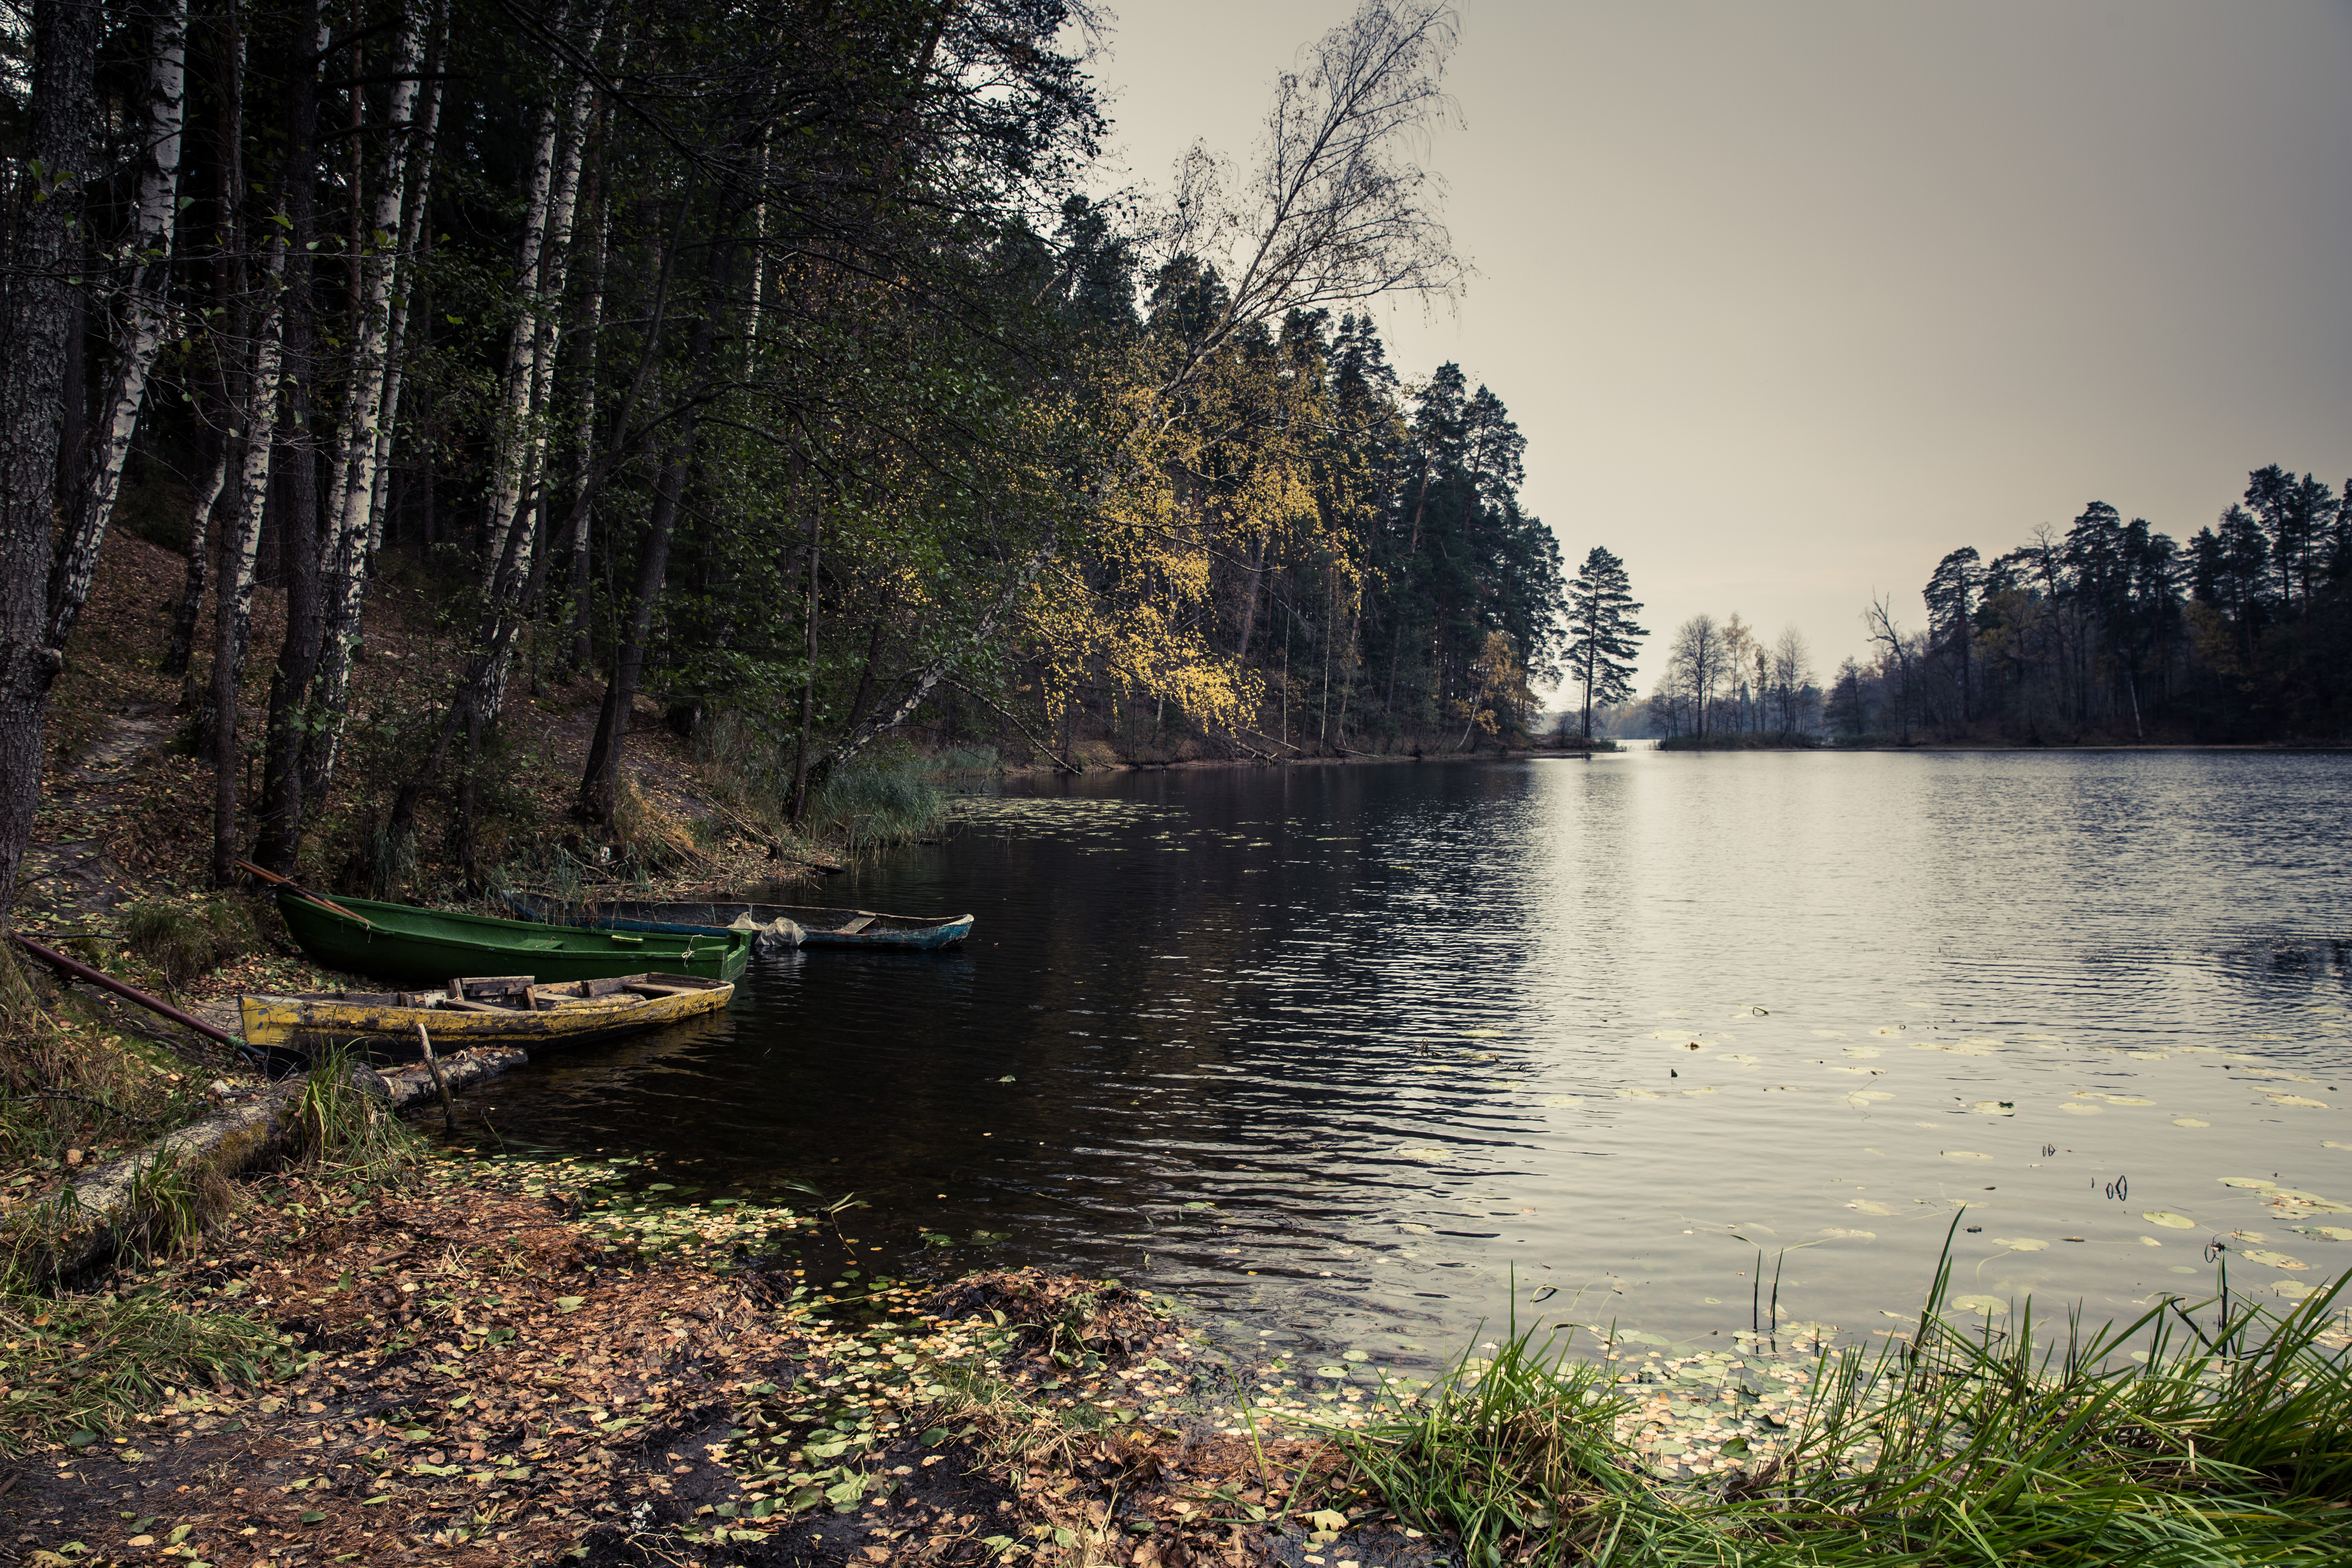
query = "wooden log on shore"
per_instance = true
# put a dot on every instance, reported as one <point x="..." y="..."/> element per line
<point x="107" y="1203"/>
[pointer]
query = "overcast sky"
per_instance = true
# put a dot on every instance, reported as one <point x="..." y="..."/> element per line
<point x="1789" y="300"/>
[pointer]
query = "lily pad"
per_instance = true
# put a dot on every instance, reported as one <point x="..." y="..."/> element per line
<point x="1868" y="1205"/>
<point x="2297" y="1100"/>
<point x="2270" y="1260"/>
<point x="1995" y="1106"/>
<point x="1562" y="1102"/>
<point x="1482" y="1033"/>
<point x="1838" y="1233"/>
<point x="1424" y="1152"/>
<point x="2257" y="1182"/>
<point x="1964" y="1154"/>
<point x="2077" y="1108"/>
<point x="2326" y="1232"/>
<point x="2021" y="1243"/>
<point x="2169" y="1220"/>
<point x="2189" y="1121"/>
<point x="1988" y="1306"/>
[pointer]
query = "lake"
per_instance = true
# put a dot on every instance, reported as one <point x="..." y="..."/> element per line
<point x="1368" y="1055"/>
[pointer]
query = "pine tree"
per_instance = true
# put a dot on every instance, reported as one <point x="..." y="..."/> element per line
<point x="1602" y="636"/>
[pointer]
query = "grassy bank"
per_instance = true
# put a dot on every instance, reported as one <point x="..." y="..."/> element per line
<point x="2206" y="1432"/>
<point x="391" y="1352"/>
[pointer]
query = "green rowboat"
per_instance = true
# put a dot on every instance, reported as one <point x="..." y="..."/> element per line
<point x="399" y="941"/>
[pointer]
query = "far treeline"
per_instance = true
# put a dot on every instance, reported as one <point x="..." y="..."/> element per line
<point x="767" y="363"/>
<point x="2110" y="632"/>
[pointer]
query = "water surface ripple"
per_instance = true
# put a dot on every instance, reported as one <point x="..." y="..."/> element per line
<point x="1348" y="1055"/>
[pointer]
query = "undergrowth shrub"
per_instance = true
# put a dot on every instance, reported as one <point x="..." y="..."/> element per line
<point x="891" y="794"/>
<point x="83" y="1088"/>
<point x="188" y="939"/>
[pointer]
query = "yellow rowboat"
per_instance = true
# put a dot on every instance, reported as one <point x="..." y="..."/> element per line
<point x="503" y="1010"/>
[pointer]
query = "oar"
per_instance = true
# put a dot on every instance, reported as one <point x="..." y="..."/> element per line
<point x="304" y="893"/>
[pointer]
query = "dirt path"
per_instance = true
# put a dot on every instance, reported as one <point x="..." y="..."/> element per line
<point x="68" y="876"/>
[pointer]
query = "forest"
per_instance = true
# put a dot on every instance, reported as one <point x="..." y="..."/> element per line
<point x="770" y="374"/>
<point x="2110" y="632"/>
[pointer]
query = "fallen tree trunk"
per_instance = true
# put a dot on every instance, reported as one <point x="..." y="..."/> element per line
<point x="116" y="1200"/>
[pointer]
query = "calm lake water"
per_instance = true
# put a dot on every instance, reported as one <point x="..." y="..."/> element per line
<point x="1366" y="1055"/>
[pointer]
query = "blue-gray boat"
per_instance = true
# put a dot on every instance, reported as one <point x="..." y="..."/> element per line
<point x="776" y="928"/>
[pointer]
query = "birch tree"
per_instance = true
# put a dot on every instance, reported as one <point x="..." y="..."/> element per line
<point x="233" y="602"/>
<point x="372" y="411"/>
<point x="145" y="314"/>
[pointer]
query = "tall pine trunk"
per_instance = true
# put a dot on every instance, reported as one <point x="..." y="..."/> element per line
<point x="300" y="524"/>
<point x="37" y="295"/>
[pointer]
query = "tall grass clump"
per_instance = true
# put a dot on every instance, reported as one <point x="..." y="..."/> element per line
<point x="82" y="1086"/>
<point x="342" y="1130"/>
<point x="878" y="800"/>
<point x="2170" y="1440"/>
<point x="78" y="1366"/>
<point x="1513" y="1456"/>
<point x="2205" y="1433"/>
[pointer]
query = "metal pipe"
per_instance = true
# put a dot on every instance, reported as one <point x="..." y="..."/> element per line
<point x="58" y="961"/>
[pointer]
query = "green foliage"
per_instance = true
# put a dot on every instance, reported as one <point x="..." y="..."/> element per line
<point x="887" y="797"/>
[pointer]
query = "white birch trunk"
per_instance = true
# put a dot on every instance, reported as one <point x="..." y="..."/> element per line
<point x="368" y="412"/>
<point x="240" y="547"/>
<point x="192" y="593"/>
<point x="343" y="614"/>
<point x="146" y="313"/>
<point x="554" y="274"/>
<point x="507" y="475"/>
<point x="583" y="512"/>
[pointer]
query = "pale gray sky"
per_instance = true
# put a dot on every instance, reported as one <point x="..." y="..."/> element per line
<point x="1791" y="298"/>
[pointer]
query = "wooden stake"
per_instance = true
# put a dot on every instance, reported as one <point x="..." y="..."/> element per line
<point x="432" y="1066"/>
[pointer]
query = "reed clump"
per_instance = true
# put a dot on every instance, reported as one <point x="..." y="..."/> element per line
<point x="2217" y="1432"/>
<point x="343" y="1130"/>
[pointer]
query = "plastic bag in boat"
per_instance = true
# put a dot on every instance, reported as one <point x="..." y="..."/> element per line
<point x="778" y="935"/>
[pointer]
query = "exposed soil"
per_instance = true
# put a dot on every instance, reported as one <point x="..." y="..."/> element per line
<point x="481" y="1369"/>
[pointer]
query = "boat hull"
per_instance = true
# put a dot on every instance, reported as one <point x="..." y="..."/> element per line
<point x="386" y="1028"/>
<point x="818" y="927"/>
<point x="399" y="942"/>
